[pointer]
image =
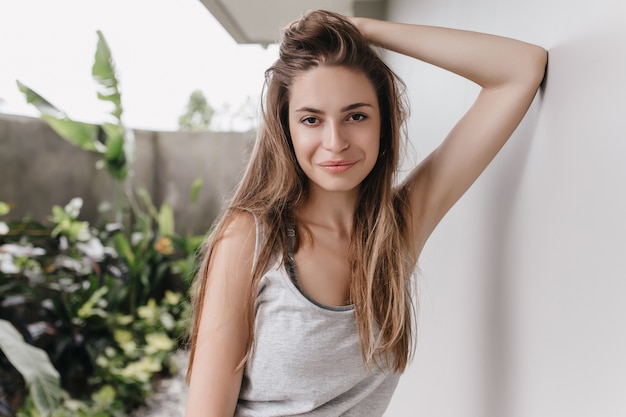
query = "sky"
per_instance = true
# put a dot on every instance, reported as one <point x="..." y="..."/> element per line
<point x="163" y="50"/>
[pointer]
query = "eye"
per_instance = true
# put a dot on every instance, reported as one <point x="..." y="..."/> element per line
<point x="309" y="120"/>
<point x="357" y="117"/>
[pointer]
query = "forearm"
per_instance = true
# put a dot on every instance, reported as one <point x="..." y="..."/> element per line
<point x="488" y="60"/>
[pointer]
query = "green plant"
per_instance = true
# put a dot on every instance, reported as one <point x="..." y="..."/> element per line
<point x="65" y="286"/>
<point x="142" y="346"/>
<point x="198" y="114"/>
<point x="106" y="302"/>
<point x="42" y="379"/>
<point x="102" y="403"/>
<point x="146" y="239"/>
<point x="111" y="140"/>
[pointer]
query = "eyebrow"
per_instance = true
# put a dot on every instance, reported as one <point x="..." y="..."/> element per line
<point x="343" y="109"/>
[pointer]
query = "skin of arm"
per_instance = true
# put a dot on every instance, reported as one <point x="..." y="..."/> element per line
<point x="509" y="73"/>
<point x="223" y="332"/>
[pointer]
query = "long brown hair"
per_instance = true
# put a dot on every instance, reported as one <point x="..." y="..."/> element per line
<point x="273" y="186"/>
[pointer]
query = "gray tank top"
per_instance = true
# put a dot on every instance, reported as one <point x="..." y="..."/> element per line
<point x="306" y="360"/>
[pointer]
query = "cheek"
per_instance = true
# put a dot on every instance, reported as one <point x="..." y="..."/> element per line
<point x="303" y="143"/>
<point x="300" y="150"/>
<point x="373" y="146"/>
<point x="294" y="142"/>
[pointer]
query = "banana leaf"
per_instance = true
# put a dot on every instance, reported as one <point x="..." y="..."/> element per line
<point x="115" y="155"/>
<point x="103" y="72"/>
<point x="83" y="135"/>
<point x="43" y="105"/>
<point x="41" y="377"/>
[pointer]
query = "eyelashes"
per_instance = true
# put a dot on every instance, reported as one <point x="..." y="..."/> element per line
<point x="309" y="120"/>
<point x="314" y="120"/>
<point x="359" y="116"/>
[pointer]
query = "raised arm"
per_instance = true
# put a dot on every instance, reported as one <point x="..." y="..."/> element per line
<point x="509" y="72"/>
<point x="223" y="333"/>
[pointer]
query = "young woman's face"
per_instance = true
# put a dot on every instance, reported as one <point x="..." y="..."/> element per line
<point x="334" y="121"/>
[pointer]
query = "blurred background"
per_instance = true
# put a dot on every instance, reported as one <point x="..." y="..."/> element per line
<point x="163" y="51"/>
<point x="104" y="200"/>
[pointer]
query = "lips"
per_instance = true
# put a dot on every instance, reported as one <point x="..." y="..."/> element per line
<point x="337" y="166"/>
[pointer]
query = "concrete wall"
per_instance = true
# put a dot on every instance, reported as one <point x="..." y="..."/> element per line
<point x="39" y="169"/>
<point x="522" y="286"/>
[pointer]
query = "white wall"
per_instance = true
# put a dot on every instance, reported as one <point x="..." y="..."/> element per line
<point x="523" y="285"/>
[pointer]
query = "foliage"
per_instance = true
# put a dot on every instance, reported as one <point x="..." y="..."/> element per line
<point x="198" y="114"/>
<point x="4" y="208"/>
<point x="142" y="348"/>
<point x="107" y="302"/>
<point x="34" y="364"/>
<point x="111" y="140"/>
<point x="102" y="403"/>
<point x="67" y="287"/>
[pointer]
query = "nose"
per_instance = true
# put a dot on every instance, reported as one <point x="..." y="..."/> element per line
<point x="334" y="139"/>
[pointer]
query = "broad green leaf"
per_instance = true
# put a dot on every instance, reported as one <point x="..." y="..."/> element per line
<point x="149" y="312"/>
<point x="147" y="200"/>
<point x="115" y="157"/>
<point x="124" y="248"/>
<point x="172" y="298"/>
<point x="43" y="105"/>
<point x="195" y="190"/>
<point x="77" y="230"/>
<point x="114" y="142"/>
<point x="159" y="342"/>
<point x="122" y="336"/>
<point x="144" y="224"/>
<point x="83" y="135"/>
<point x="103" y="72"/>
<point x="90" y="309"/>
<point x="58" y="214"/>
<point x="166" y="220"/>
<point x="35" y="366"/>
<point x="117" y="169"/>
<point x="141" y="370"/>
<point x="129" y="348"/>
<point x="144" y="279"/>
<point x="105" y="396"/>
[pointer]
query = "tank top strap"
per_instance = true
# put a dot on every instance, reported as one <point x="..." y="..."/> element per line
<point x="291" y="264"/>
<point x="291" y="243"/>
<point x="258" y="240"/>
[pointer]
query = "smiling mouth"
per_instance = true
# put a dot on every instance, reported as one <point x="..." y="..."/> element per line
<point x="337" y="166"/>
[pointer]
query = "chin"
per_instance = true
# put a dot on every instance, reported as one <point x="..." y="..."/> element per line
<point x="337" y="187"/>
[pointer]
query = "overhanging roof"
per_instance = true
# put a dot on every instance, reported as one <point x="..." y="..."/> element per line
<point x="260" y="21"/>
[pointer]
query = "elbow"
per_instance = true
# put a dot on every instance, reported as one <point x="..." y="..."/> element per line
<point x="524" y="67"/>
<point x="537" y="63"/>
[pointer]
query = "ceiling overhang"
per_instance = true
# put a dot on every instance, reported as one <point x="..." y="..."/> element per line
<point x="260" y="21"/>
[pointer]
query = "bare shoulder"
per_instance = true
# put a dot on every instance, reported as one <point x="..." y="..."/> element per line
<point x="239" y="225"/>
<point x="234" y="247"/>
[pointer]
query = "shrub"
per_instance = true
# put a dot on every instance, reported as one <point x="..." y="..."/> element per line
<point x="81" y="295"/>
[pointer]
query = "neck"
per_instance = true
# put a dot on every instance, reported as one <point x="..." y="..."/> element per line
<point x="333" y="210"/>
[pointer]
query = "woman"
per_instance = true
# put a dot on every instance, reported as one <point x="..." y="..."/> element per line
<point x="303" y="301"/>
